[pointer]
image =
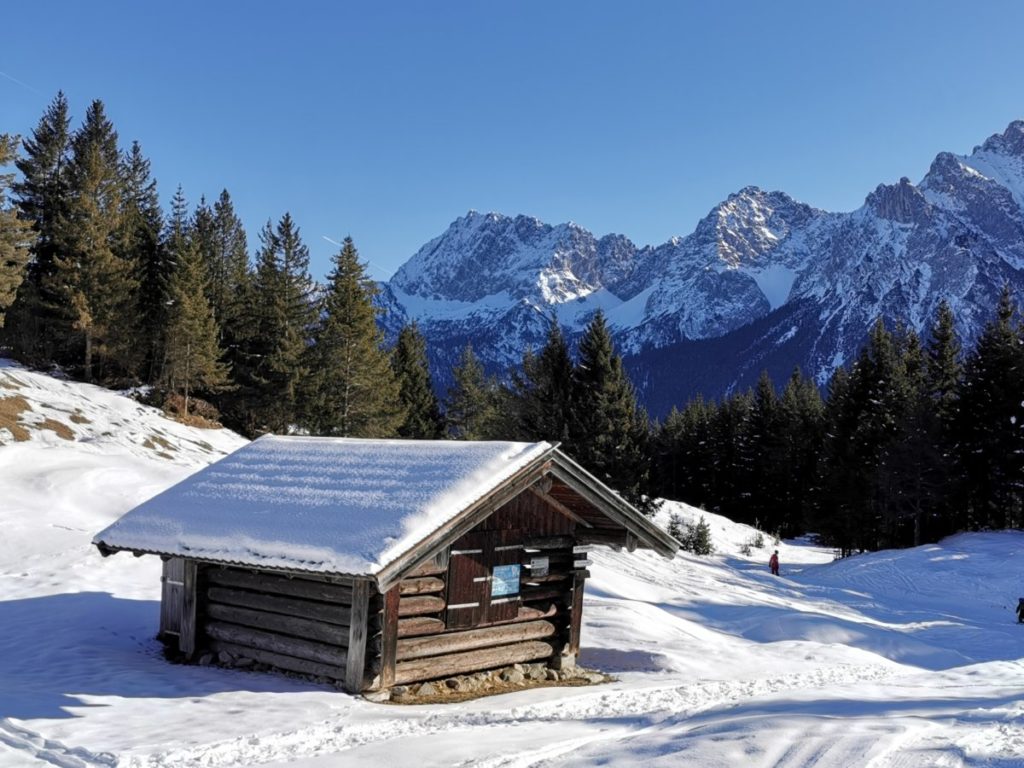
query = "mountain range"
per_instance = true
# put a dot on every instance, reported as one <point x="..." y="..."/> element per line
<point x="764" y="282"/>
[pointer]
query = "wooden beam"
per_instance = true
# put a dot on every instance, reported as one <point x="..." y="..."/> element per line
<point x="288" y="663"/>
<point x="187" y="629"/>
<point x="575" y="617"/>
<point x="471" y="661"/>
<point x="472" y="639"/>
<point x="420" y="605"/>
<point x="248" y="637"/>
<point x="419" y="625"/>
<point x="278" y="585"/>
<point x="389" y="638"/>
<point x="558" y="506"/>
<point x="290" y="606"/>
<point x="426" y="585"/>
<point x="355" y="663"/>
<point x="332" y="634"/>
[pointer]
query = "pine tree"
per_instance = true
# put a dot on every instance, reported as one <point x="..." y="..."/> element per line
<point x="542" y="391"/>
<point x="351" y="390"/>
<point x="228" y="265"/>
<point x="608" y="433"/>
<point x="140" y="246"/>
<point x="95" y="286"/>
<point x="277" y="323"/>
<point x="192" y="355"/>
<point x="15" y="233"/>
<point x="763" y="475"/>
<point x="944" y="381"/>
<point x="990" y="426"/>
<point x="41" y="196"/>
<point x="799" y="452"/>
<point x="472" y="408"/>
<point x="409" y="363"/>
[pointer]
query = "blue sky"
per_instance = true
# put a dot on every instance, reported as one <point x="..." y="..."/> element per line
<point x="387" y="121"/>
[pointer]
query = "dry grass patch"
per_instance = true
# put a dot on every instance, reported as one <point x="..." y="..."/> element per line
<point x="11" y="409"/>
<point x="79" y="418"/>
<point x="61" y="429"/>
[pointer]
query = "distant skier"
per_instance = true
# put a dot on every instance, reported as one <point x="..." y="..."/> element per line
<point x="1020" y="611"/>
<point x="773" y="563"/>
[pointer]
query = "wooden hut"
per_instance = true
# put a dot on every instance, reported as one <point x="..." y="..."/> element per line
<point x="380" y="562"/>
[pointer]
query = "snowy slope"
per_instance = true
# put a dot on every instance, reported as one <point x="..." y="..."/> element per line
<point x="903" y="659"/>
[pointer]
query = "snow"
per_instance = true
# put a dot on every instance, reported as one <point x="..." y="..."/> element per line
<point x="894" y="659"/>
<point x="775" y="282"/>
<point x="338" y="505"/>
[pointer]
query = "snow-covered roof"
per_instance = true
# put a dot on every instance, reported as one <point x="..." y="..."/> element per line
<point x="332" y="505"/>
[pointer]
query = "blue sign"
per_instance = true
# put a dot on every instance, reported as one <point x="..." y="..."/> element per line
<point x="505" y="580"/>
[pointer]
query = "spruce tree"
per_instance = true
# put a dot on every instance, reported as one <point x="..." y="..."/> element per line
<point x="409" y="362"/>
<point x="351" y="390"/>
<point x="944" y="380"/>
<point x="276" y="324"/>
<point x="472" y="408"/>
<point x="95" y="286"/>
<point x="140" y="246"/>
<point x="41" y="196"/>
<point x="192" y="355"/>
<point x="763" y="473"/>
<point x="608" y="433"/>
<point x="542" y="391"/>
<point x="990" y="427"/>
<point x="800" y="446"/>
<point x="15" y="233"/>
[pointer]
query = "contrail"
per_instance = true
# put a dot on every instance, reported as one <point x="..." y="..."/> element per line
<point x="370" y="263"/>
<point x="19" y="82"/>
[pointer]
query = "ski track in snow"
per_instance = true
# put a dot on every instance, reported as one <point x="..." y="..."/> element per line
<point x="31" y="744"/>
<point x="644" y="707"/>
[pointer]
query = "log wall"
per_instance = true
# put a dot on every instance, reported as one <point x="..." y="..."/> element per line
<point x="542" y="624"/>
<point x="299" y="624"/>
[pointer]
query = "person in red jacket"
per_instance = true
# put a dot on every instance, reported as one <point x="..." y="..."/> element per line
<point x="773" y="563"/>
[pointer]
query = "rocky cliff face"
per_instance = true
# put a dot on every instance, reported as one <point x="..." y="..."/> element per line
<point x="763" y="281"/>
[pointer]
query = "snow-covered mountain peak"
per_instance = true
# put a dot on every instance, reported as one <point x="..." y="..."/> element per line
<point x="1008" y="143"/>
<point x="750" y="224"/>
<point x="901" y="202"/>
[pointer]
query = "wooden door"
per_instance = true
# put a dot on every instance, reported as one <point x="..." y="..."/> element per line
<point x="483" y="578"/>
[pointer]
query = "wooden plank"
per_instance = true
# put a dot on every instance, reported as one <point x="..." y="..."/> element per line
<point x="575" y="616"/>
<point x="187" y="633"/>
<point x="355" y="668"/>
<point x="389" y="638"/>
<point x="278" y="585"/>
<point x="472" y="639"/>
<point x="269" y="641"/>
<point x="558" y="506"/>
<point x="172" y="581"/>
<point x="533" y="594"/>
<point x="549" y="542"/>
<point x="290" y="606"/>
<point x="333" y="634"/>
<point x="420" y="605"/>
<point x="419" y="625"/>
<point x="426" y="585"/>
<point x="289" y="663"/>
<point x="471" y="661"/>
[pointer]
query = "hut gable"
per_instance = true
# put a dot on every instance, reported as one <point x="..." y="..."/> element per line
<point x="380" y="562"/>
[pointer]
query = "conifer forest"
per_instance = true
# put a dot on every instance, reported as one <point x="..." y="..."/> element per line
<point x="919" y="437"/>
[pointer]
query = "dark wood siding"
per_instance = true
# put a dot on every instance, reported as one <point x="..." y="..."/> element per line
<point x="300" y="624"/>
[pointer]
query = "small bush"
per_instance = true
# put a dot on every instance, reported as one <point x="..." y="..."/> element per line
<point x="696" y="537"/>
